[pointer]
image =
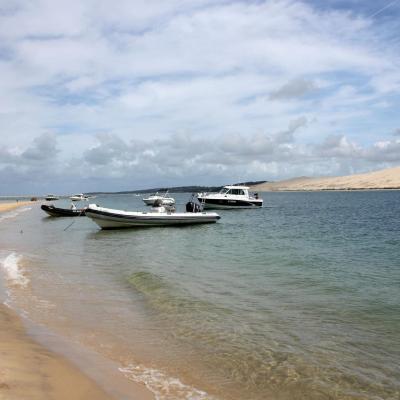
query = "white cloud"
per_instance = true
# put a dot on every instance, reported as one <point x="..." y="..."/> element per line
<point x="338" y="146"/>
<point x="385" y="151"/>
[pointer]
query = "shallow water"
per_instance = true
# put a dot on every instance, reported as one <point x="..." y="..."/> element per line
<point x="298" y="300"/>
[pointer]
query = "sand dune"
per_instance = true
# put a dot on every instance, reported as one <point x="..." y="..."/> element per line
<point x="383" y="179"/>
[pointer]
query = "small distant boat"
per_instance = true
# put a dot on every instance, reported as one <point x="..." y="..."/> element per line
<point x="166" y="201"/>
<point x="51" y="197"/>
<point x="62" y="212"/>
<point x="230" y="197"/>
<point x="79" y="197"/>
<point x="107" y="218"/>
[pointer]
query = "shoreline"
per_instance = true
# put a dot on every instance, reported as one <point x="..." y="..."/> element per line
<point x="37" y="364"/>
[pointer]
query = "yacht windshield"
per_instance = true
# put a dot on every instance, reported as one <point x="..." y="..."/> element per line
<point x="233" y="191"/>
<point x="237" y="192"/>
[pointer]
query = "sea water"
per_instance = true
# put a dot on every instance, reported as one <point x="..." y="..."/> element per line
<point x="297" y="300"/>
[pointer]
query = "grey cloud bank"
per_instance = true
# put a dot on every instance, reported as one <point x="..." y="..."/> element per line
<point x="293" y="89"/>
<point x="115" y="164"/>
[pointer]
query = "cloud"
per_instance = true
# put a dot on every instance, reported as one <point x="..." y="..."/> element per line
<point x="287" y="136"/>
<point x="108" y="149"/>
<point x="24" y="170"/>
<point x="113" y="163"/>
<point x="385" y="151"/>
<point x="192" y="156"/>
<point x="293" y="89"/>
<point x="338" y="146"/>
<point x="43" y="148"/>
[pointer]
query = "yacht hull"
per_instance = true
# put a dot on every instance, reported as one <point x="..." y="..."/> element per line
<point x="225" y="204"/>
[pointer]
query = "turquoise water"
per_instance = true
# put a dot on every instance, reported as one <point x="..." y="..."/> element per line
<point x="298" y="300"/>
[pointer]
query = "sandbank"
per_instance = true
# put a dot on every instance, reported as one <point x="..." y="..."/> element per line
<point x="8" y="206"/>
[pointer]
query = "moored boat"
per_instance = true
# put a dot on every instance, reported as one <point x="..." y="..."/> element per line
<point x="62" y="212"/>
<point x="79" y="197"/>
<point x="152" y="199"/>
<point x="230" y="197"/>
<point x="51" y="197"/>
<point x="107" y="218"/>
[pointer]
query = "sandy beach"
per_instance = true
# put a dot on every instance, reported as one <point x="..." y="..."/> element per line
<point x="28" y="370"/>
<point x="31" y="370"/>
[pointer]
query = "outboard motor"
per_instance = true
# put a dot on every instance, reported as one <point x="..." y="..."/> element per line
<point x="170" y="209"/>
<point x="157" y="203"/>
<point x="158" y="206"/>
<point x="193" y="207"/>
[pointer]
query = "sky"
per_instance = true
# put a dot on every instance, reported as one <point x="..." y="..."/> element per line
<point x="101" y="95"/>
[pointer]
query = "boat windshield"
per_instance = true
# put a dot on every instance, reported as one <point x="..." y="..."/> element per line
<point x="233" y="191"/>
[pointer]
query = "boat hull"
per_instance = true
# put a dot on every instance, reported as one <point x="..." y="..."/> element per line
<point x="118" y="219"/>
<point x="51" y="198"/>
<point x="225" y="204"/>
<point x="62" y="212"/>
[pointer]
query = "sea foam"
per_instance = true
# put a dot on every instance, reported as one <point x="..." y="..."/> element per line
<point x="13" y="270"/>
<point x="163" y="387"/>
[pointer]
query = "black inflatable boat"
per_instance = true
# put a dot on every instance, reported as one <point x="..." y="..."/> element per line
<point x="62" y="212"/>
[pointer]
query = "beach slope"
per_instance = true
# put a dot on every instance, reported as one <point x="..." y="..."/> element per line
<point x="28" y="370"/>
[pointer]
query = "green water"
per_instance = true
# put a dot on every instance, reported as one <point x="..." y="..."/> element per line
<point x="298" y="300"/>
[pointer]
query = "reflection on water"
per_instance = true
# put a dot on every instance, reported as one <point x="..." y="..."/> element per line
<point x="298" y="300"/>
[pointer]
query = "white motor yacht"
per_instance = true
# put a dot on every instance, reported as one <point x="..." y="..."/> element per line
<point x="51" y="197"/>
<point x="79" y="197"/>
<point x="166" y="201"/>
<point x="230" y="197"/>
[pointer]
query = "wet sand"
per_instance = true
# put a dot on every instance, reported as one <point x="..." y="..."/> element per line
<point x="8" y="206"/>
<point x="28" y="370"/>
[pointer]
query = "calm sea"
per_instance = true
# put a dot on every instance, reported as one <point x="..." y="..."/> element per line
<point x="298" y="300"/>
